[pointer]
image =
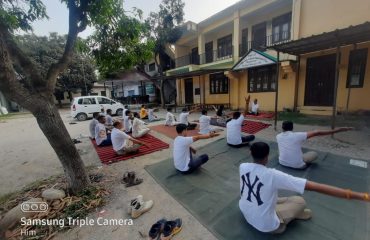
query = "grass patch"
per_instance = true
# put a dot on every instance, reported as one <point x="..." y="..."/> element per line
<point x="14" y="115"/>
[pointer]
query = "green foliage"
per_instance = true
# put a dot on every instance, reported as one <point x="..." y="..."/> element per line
<point x="120" y="43"/>
<point x="45" y="51"/>
<point x="165" y="25"/>
<point x="19" y="14"/>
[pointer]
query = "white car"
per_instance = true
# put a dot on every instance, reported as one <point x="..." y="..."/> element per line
<point x="83" y="108"/>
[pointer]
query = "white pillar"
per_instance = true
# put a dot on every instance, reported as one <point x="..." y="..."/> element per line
<point x="236" y="36"/>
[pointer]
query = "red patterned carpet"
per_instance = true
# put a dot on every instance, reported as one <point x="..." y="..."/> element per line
<point x="253" y="127"/>
<point x="108" y="156"/>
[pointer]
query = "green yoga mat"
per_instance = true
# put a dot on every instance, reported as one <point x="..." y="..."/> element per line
<point x="211" y="194"/>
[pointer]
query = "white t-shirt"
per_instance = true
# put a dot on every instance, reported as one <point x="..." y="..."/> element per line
<point x="184" y="118"/>
<point x="259" y="187"/>
<point x="127" y="123"/>
<point x="151" y="114"/>
<point x="109" y="120"/>
<point x="170" y="119"/>
<point x="290" y="148"/>
<point x="118" y="139"/>
<point x="137" y="125"/>
<point x="181" y="152"/>
<point x="204" y="124"/>
<point x="234" y="130"/>
<point x="124" y="112"/>
<point x="92" y="127"/>
<point x="100" y="133"/>
<point x="255" y="107"/>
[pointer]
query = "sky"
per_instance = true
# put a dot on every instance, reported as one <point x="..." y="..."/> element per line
<point x="195" y="10"/>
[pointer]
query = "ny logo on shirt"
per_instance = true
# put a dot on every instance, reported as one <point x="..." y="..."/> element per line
<point x="251" y="188"/>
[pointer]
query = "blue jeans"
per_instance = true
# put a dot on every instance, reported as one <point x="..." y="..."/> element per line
<point x="245" y="141"/>
<point x="196" y="162"/>
<point x="106" y="142"/>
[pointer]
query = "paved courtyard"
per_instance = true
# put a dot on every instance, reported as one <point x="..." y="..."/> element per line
<point x="26" y="157"/>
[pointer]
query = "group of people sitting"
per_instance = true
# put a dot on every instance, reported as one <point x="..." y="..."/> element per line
<point x="259" y="185"/>
<point x="106" y="131"/>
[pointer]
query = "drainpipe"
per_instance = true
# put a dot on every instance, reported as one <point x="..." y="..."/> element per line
<point x="297" y="84"/>
<point x="277" y="89"/>
<point x="335" y="87"/>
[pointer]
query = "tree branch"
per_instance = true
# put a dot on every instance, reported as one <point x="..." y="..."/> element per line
<point x="76" y="16"/>
<point x="20" y="59"/>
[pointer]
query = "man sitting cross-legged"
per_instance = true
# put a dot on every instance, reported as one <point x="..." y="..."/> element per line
<point x="183" y="157"/>
<point x="122" y="143"/>
<point x="183" y="117"/>
<point x="234" y="130"/>
<point x="259" y="187"/>
<point x="138" y="127"/>
<point x="290" y="145"/>
<point x="205" y="124"/>
<point x="102" y="137"/>
<point x="170" y="118"/>
<point x="93" y="124"/>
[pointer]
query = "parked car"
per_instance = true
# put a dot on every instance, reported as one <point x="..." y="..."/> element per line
<point x="83" y="108"/>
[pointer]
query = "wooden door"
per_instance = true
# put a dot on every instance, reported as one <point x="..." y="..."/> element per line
<point x="189" y="94"/>
<point x="320" y="79"/>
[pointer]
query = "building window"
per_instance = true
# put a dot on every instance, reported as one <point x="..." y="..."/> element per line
<point x="219" y="83"/>
<point x="151" y="67"/>
<point x="262" y="79"/>
<point x="356" y="68"/>
<point x="224" y="47"/>
<point x="131" y="92"/>
<point x="281" y="28"/>
<point x="259" y="36"/>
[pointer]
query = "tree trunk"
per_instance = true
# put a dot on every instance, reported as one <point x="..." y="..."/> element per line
<point x="162" y="92"/>
<point x="52" y="126"/>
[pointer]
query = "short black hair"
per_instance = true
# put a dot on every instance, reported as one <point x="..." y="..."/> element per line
<point x="184" y="110"/>
<point x="116" y="123"/>
<point x="169" y="109"/>
<point x="180" y="128"/>
<point x="100" y="117"/>
<point x="143" y="105"/>
<point x="109" y="111"/>
<point x="259" y="151"/>
<point x="287" y="126"/>
<point x="204" y="112"/>
<point x="236" y="115"/>
<point x="127" y="112"/>
<point x="126" y="106"/>
<point x="96" y="114"/>
<point x="136" y="115"/>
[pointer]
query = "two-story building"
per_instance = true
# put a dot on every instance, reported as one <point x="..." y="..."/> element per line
<point x="231" y="55"/>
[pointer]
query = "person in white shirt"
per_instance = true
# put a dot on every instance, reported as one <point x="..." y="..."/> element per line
<point x="92" y="125"/>
<point x="102" y="137"/>
<point x="127" y="121"/>
<point x="122" y="143"/>
<point x="290" y="145"/>
<point x="254" y="107"/>
<point x="151" y="116"/>
<point x="138" y="127"/>
<point x="234" y="130"/>
<point x="183" y="157"/>
<point x="170" y="118"/>
<point x="259" y="188"/>
<point x="109" y="119"/>
<point x="205" y="124"/>
<point x="125" y="108"/>
<point x="183" y="118"/>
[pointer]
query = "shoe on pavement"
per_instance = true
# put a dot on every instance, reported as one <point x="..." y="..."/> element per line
<point x="171" y="228"/>
<point x="133" y="202"/>
<point x="156" y="229"/>
<point x="140" y="208"/>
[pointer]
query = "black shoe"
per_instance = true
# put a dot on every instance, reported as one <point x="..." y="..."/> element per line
<point x="156" y="229"/>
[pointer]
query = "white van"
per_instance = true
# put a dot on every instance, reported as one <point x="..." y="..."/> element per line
<point x="84" y="107"/>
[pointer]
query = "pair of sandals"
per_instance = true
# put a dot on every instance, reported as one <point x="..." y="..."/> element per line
<point x="165" y="230"/>
<point x="129" y="179"/>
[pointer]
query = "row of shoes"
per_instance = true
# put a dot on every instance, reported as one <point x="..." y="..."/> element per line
<point x="165" y="230"/>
